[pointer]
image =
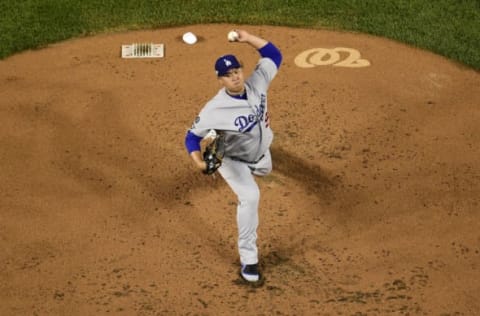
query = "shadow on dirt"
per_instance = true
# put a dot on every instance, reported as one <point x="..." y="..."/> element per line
<point x="311" y="176"/>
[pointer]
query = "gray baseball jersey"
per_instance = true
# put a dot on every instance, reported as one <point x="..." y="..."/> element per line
<point x="245" y="123"/>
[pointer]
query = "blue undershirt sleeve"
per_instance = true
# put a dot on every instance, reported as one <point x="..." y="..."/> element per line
<point x="192" y="142"/>
<point x="272" y="52"/>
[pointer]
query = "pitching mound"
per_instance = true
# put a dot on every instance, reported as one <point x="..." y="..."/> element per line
<point x="372" y="207"/>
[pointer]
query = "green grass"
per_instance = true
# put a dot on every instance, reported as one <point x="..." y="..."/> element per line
<point x="447" y="27"/>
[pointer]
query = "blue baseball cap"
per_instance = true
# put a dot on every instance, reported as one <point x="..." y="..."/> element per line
<point x="225" y="63"/>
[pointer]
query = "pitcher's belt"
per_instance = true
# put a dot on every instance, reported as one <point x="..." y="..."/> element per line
<point x="248" y="162"/>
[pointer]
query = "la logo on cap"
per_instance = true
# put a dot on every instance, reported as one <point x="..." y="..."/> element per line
<point x="227" y="62"/>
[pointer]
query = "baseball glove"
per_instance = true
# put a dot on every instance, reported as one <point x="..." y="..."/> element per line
<point x="214" y="153"/>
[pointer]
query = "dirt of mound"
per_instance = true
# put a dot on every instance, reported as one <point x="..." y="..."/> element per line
<point x="372" y="207"/>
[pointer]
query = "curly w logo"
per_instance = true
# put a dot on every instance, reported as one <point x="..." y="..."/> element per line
<point x="338" y="57"/>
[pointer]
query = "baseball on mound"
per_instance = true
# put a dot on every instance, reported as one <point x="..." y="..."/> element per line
<point x="232" y="36"/>
<point x="189" y="38"/>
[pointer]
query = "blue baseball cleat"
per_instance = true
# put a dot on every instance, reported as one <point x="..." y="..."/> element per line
<point x="249" y="272"/>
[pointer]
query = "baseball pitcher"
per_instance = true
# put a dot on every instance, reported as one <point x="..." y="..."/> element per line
<point x="237" y="120"/>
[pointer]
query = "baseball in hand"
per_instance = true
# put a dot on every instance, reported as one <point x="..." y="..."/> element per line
<point x="232" y="36"/>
